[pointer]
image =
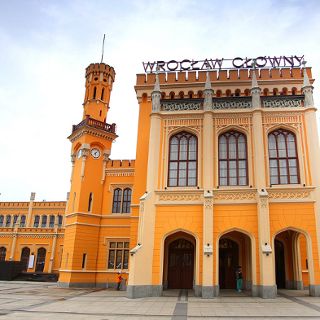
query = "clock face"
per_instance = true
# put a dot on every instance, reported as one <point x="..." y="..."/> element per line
<point x="95" y="153"/>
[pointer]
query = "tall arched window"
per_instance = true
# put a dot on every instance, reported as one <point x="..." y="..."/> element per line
<point x="25" y="253"/>
<point x="51" y="221"/>
<point x="23" y="221"/>
<point x="43" y="221"/>
<point x="8" y="220"/>
<point x="36" y="221"/>
<point x="283" y="158"/>
<point x="183" y="160"/>
<point x="94" y="92"/>
<point x="1" y="220"/>
<point x="116" y="204"/>
<point x="15" y="219"/>
<point x="3" y="252"/>
<point x="233" y="159"/>
<point x="126" y="200"/>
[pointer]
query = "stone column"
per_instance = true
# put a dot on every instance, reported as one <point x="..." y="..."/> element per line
<point x="209" y="289"/>
<point x="140" y="277"/>
<point x="267" y="287"/>
<point x="53" y="248"/>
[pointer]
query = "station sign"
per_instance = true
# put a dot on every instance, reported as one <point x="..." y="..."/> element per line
<point x="223" y="64"/>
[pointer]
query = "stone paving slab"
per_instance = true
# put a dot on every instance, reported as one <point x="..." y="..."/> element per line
<point x="25" y="300"/>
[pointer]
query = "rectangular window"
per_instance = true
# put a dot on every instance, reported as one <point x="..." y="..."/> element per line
<point x="118" y="256"/>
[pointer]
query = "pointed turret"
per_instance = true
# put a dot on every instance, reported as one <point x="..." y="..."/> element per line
<point x="255" y="91"/>
<point x="208" y="93"/>
<point x="156" y="95"/>
<point x="307" y="88"/>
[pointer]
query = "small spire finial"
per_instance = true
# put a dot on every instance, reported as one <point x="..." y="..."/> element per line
<point x="104" y="36"/>
<point x="157" y="83"/>
<point x="208" y="81"/>
<point x="254" y="83"/>
<point x="306" y="81"/>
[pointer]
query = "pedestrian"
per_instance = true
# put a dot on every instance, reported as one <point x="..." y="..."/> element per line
<point x="239" y="278"/>
<point x="119" y="279"/>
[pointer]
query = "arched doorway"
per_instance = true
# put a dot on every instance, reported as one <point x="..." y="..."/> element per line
<point x="25" y="253"/>
<point x="228" y="262"/>
<point x="235" y="249"/>
<point x="291" y="260"/>
<point x="179" y="261"/>
<point x="41" y="259"/>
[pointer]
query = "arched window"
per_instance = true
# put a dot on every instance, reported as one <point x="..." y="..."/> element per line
<point x="15" y="219"/>
<point x="116" y="204"/>
<point x="275" y="91"/>
<point x="200" y="94"/>
<point x="283" y="158"/>
<point x="60" y="219"/>
<point x="228" y="93"/>
<point x="25" y="253"/>
<point x="51" y="221"/>
<point x="1" y="220"/>
<point x="8" y="220"/>
<point x="41" y="259"/>
<point x="233" y="159"/>
<point x="219" y="93"/>
<point x="237" y="93"/>
<point x="23" y="221"/>
<point x="190" y="94"/>
<point x="284" y="91"/>
<point x="94" y="92"/>
<point x="247" y="92"/>
<point x="43" y="221"/>
<point x="294" y="91"/>
<point x="3" y="252"/>
<point x="181" y="94"/>
<point x="266" y="92"/>
<point x="126" y="200"/>
<point x="171" y="94"/>
<point x="183" y="160"/>
<point x="102" y="94"/>
<point x="36" y="221"/>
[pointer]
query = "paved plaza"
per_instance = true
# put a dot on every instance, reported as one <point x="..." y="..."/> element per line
<point x="27" y="300"/>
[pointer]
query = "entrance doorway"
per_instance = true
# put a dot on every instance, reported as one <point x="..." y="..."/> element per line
<point x="291" y="260"/>
<point x="179" y="261"/>
<point x="235" y="249"/>
<point x="41" y="259"/>
<point x="228" y="262"/>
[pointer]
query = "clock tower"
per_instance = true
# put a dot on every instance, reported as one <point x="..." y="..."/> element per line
<point x="91" y="147"/>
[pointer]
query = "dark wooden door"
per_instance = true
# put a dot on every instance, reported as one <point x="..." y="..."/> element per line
<point x="280" y="265"/>
<point x="228" y="262"/>
<point x="41" y="259"/>
<point x="181" y="261"/>
<point x="25" y="253"/>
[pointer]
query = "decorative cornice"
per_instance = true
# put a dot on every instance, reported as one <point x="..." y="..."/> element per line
<point x="92" y="132"/>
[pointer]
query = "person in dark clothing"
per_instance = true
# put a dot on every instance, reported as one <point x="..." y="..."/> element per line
<point x="119" y="279"/>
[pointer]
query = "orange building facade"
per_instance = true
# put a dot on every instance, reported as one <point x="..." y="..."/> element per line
<point x="226" y="175"/>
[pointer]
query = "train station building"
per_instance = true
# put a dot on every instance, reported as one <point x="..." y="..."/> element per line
<point x="226" y="174"/>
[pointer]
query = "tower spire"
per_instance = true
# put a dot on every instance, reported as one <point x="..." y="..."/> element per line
<point x="255" y="89"/>
<point x="208" y="93"/>
<point x="156" y="94"/>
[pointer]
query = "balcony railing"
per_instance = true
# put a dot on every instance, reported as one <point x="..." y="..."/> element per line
<point x="89" y="122"/>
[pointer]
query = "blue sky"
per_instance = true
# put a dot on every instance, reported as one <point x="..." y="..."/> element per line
<point x="46" y="45"/>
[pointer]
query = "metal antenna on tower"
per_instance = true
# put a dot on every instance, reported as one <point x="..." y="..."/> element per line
<point x="104" y="36"/>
